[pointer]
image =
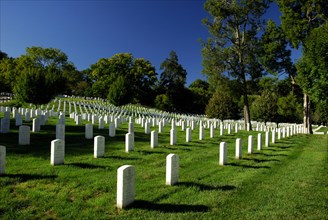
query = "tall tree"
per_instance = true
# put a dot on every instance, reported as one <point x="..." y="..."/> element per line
<point x="234" y="45"/>
<point x="298" y="19"/>
<point x="172" y="81"/>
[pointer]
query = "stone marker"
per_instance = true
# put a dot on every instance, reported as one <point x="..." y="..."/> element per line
<point x="131" y="127"/>
<point x="238" y="149"/>
<point x="172" y="169"/>
<point x="273" y="136"/>
<point x="129" y="142"/>
<point x="60" y="131"/>
<point x="173" y="137"/>
<point x="201" y="132"/>
<point x="279" y="133"/>
<point x="2" y="159"/>
<point x="221" y="129"/>
<point x="259" y="141"/>
<point x="112" y="130"/>
<point x="125" y="186"/>
<point x="27" y="116"/>
<point x="160" y="127"/>
<point x="223" y="153"/>
<point x="250" y="144"/>
<point x="229" y="128"/>
<point x="24" y="135"/>
<point x="153" y="139"/>
<point x="99" y="146"/>
<point x="147" y="127"/>
<point x="188" y="135"/>
<point x="18" y="120"/>
<point x="89" y="131"/>
<point x="101" y="123"/>
<point x="211" y="131"/>
<point x="36" y="125"/>
<point x="267" y="139"/>
<point x="5" y="125"/>
<point x="57" y="152"/>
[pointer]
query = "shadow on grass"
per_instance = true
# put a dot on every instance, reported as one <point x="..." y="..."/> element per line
<point x="248" y="166"/>
<point x="145" y="152"/>
<point x="260" y="160"/>
<point x="86" y="166"/>
<point x="167" y="208"/>
<point x="27" y="177"/>
<point x="121" y="158"/>
<point x="203" y="187"/>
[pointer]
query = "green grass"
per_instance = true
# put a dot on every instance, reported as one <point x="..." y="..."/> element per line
<point x="288" y="180"/>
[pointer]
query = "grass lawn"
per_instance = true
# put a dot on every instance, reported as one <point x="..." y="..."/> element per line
<point x="287" y="180"/>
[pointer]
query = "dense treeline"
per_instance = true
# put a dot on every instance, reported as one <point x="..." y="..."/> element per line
<point x="246" y="60"/>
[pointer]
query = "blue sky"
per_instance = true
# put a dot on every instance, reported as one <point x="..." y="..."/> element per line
<point x="89" y="30"/>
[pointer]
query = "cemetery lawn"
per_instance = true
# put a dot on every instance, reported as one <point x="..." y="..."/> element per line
<point x="287" y="180"/>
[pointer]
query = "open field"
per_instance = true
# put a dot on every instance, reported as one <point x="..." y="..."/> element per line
<point x="288" y="180"/>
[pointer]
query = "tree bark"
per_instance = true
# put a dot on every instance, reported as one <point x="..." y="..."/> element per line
<point x="307" y="115"/>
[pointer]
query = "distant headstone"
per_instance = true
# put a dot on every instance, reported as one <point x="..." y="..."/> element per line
<point x="279" y="133"/>
<point x="24" y="135"/>
<point x="223" y="153"/>
<point x="259" y="141"/>
<point x="211" y="131"/>
<point x="267" y="138"/>
<point x="2" y="159"/>
<point x="112" y="131"/>
<point x="125" y="186"/>
<point x="273" y="136"/>
<point x="201" y="132"/>
<point x="188" y="134"/>
<point x="172" y="169"/>
<point x="173" y="137"/>
<point x="89" y="131"/>
<point x="238" y="149"/>
<point x="221" y="129"/>
<point x="99" y="147"/>
<point x="250" y="144"/>
<point x="27" y="116"/>
<point x="160" y="127"/>
<point x="101" y="123"/>
<point x="78" y="119"/>
<point x="147" y="128"/>
<point x="129" y="142"/>
<point x="229" y="128"/>
<point x="18" y="120"/>
<point x="60" y="131"/>
<point x="57" y="152"/>
<point x="131" y="127"/>
<point x="5" y="125"/>
<point x="154" y="139"/>
<point x="36" y="125"/>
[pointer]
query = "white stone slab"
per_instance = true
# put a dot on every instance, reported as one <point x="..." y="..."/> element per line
<point x="129" y="142"/>
<point x="2" y="159"/>
<point x="223" y="153"/>
<point x="250" y="144"/>
<point x="112" y="130"/>
<point x="89" y="131"/>
<point x="188" y="135"/>
<point x="60" y="131"/>
<point x="125" y="186"/>
<point x="153" y="139"/>
<point x="24" y="135"/>
<point x="173" y="137"/>
<point x="238" y="149"/>
<point x="259" y="141"/>
<point x="99" y="146"/>
<point x="172" y="169"/>
<point x="57" y="152"/>
<point x="36" y="125"/>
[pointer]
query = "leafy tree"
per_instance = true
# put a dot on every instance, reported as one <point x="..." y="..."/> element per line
<point x="172" y="81"/>
<point x="200" y="96"/>
<point x="163" y="102"/>
<point x="264" y="107"/>
<point x="320" y="115"/>
<point x="234" y="46"/>
<point x="3" y="55"/>
<point x="8" y="74"/>
<point x="118" y="94"/>
<point x="40" y="74"/>
<point x="222" y="106"/>
<point x="299" y="18"/>
<point x="289" y="109"/>
<point x="139" y="74"/>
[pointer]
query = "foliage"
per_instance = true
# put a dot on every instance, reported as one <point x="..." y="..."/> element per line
<point x="289" y="109"/>
<point x="200" y="96"/>
<point x="234" y="46"/>
<point x="118" y="94"/>
<point x="222" y="106"/>
<point x="163" y="102"/>
<point x="320" y="115"/>
<point x="264" y="108"/>
<point x="8" y="74"/>
<point x="139" y="74"/>
<point x="313" y="67"/>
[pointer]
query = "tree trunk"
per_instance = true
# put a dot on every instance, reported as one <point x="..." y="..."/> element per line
<point x="307" y="115"/>
<point x="247" y="115"/>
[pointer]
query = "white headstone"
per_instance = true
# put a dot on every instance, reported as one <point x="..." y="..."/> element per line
<point x="221" y="129"/>
<point x="60" y="131"/>
<point x="131" y="127"/>
<point x="36" y="125"/>
<point x="2" y="159"/>
<point x="173" y="137"/>
<point x="129" y="142"/>
<point x="125" y="186"/>
<point x="99" y="147"/>
<point x="160" y="127"/>
<point x="101" y="123"/>
<point x="259" y="141"/>
<point x="273" y="136"/>
<point x="238" y="149"/>
<point x="250" y="144"/>
<point x="5" y="125"/>
<point x="57" y="152"/>
<point x="27" y="116"/>
<point x="112" y="131"/>
<point x="188" y="134"/>
<point x="147" y="128"/>
<point x="267" y="138"/>
<point x="279" y="133"/>
<point x="89" y="131"/>
<point x="211" y="131"/>
<point x="153" y="139"/>
<point x="24" y="135"/>
<point x="172" y="169"/>
<point x="229" y="128"/>
<point x="201" y="132"/>
<point x="78" y="119"/>
<point x="223" y="153"/>
<point x="18" y="120"/>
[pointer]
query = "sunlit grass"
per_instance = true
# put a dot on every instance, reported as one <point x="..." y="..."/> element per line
<point x="288" y="180"/>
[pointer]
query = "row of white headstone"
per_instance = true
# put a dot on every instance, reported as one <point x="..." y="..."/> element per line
<point x="126" y="180"/>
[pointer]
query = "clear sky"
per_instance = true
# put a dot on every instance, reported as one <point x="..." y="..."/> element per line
<point x="88" y="30"/>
